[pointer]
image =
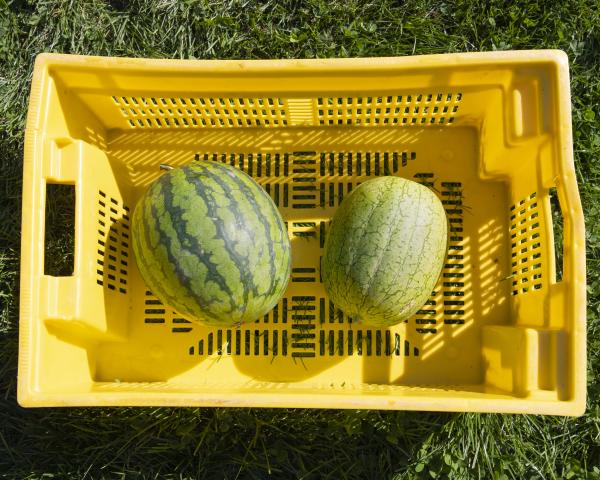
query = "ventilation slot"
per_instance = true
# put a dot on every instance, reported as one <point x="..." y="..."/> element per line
<point x="526" y="252"/>
<point x="261" y="165"/>
<point x="303" y="171"/>
<point x="357" y="164"/>
<point x="304" y="230"/>
<point x="424" y="178"/>
<point x="557" y="230"/>
<point x="446" y="303"/>
<point x="414" y="109"/>
<point x="364" y="343"/>
<point x="301" y="338"/>
<point x="155" y="312"/>
<point x="113" y="241"/>
<point x="304" y="274"/>
<point x="322" y="233"/>
<point x="453" y="273"/>
<point x="315" y="180"/>
<point x="202" y="112"/>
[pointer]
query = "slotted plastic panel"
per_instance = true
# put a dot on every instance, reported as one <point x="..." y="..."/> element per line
<point x="180" y="112"/>
<point x="412" y="109"/>
<point x="113" y="243"/>
<point x="189" y="112"/>
<point x="526" y="245"/>
<point x="489" y="134"/>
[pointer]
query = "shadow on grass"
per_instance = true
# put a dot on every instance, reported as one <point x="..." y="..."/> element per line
<point x="212" y="443"/>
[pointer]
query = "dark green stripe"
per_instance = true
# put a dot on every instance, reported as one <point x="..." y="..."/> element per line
<point x="266" y="224"/>
<point x="246" y="271"/>
<point x="178" y="224"/>
<point x="160" y="280"/>
<point x="283" y="241"/>
<point x="166" y="240"/>
<point x="144" y="262"/>
<point x="212" y="213"/>
<point x="264" y="221"/>
<point x="183" y="279"/>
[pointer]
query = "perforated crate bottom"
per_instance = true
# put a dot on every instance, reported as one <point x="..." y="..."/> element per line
<point x="305" y="337"/>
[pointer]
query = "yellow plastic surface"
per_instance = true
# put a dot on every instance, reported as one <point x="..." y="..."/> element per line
<point x="489" y="132"/>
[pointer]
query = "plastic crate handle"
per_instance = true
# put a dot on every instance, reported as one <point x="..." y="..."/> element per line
<point x="61" y="164"/>
<point x="568" y="298"/>
<point x="573" y="254"/>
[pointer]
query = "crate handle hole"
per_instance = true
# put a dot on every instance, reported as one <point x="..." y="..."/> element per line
<point x="59" y="230"/>
<point x="557" y="230"/>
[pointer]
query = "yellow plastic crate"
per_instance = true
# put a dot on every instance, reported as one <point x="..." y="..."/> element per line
<point x="489" y="132"/>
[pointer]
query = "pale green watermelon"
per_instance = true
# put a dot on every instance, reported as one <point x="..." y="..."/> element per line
<point x="210" y="242"/>
<point x="385" y="250"/>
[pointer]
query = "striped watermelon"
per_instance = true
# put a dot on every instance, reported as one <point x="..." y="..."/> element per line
<point x="385" y="250"/>
<point x="210" y="243"/>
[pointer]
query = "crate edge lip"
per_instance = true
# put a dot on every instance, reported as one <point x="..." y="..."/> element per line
<point x="46" y="60"/>
<point x="26" y="328"/>
<point x="574" y="407"/>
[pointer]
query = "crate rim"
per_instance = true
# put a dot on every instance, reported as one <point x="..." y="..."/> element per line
<point x="358" y="63"/>
<point x="27" y="396"/>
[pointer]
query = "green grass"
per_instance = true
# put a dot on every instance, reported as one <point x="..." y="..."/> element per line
<point x="243" y="443"/>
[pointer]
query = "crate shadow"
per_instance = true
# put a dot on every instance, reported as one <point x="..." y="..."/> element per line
<point x="143" y="152"/>
<point x="143" y="354"/>
<point x="441" y="344"/>
<point x="451" y="349"/>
